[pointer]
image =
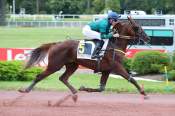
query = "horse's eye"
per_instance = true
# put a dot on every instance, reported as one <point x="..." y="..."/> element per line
<point x="136" y="29"/>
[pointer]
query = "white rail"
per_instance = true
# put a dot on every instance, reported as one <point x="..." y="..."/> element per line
<point x="46" y="23"/>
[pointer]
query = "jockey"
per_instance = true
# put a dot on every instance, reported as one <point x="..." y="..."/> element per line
<point x="100" y="30"/>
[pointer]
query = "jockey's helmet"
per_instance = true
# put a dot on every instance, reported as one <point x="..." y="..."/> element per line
<point x="113" y="15"/>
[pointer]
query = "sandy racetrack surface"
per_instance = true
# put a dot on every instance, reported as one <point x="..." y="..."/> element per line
<point x="89" y="104"/>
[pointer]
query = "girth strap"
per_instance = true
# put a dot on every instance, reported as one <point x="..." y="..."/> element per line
<point x="117" y="50"/>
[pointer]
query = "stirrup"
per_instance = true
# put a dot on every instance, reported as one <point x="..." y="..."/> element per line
<point x="95" y="56"/>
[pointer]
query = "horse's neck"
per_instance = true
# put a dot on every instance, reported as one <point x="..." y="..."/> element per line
<point x="122" y="28"/>
<point x="121" y="43"/>
<point x="118" y="44"/>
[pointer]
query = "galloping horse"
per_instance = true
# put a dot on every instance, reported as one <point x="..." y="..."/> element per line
<point x="65" y="54"/>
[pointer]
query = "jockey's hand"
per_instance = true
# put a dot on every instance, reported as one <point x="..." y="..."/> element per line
<point x="116" y="35"/>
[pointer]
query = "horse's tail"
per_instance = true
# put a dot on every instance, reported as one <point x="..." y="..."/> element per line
<point x="38" y="54"/>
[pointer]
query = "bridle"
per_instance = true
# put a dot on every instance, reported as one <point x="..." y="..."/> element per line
<point x="115" y="30"/>
<point x="140" y="34"/>
<point x="135" y="37"/>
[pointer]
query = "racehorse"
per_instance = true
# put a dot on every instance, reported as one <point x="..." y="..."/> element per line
<point x="65" y="54"/>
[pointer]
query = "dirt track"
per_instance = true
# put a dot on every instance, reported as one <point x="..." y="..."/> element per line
<point x="88" y="104"/>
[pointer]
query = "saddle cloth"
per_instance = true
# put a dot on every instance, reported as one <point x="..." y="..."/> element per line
<point x="86" y="48"/>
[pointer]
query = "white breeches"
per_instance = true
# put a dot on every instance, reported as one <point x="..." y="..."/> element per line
<point x="90" y="34"/>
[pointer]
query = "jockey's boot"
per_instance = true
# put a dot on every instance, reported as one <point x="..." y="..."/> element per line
<point x="97" y="49"/>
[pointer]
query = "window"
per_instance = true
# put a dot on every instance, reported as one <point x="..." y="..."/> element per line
<point x="158" y="37"/>
<point x="149" y="22"/>
<point x="164" y="41"/>
<point x="157" y="32"/>
<point x="171" y="22"/>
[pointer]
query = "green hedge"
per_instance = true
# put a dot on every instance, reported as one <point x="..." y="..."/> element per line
<point x="173" y="61"/>
<point x="149" y="62"/>
<point x="13" y="71"/>
<point x="127" y="64"/>
<point x="171" y="71"/>
<point x="171" y="75"/>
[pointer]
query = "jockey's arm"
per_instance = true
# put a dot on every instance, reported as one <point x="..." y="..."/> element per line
<point x="106" y="36"/>
<point x="104" y="30"/>
<point x="103" y="33"/>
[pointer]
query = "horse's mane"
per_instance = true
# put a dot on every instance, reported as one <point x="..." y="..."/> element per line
<point x="125" y="22"/>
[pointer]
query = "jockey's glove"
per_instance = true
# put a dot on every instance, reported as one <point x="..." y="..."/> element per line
<point x="116" y="35"/>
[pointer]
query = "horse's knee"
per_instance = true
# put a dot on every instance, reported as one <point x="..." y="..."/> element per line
<point x="38" y="78"/>
<point x="132" y="80"/>
<point x="61" y="79"/>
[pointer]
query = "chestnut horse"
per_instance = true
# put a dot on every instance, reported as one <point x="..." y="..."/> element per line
<point x="65" y="54"/>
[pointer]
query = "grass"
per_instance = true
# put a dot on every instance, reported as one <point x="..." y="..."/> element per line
<point x="33" y="37"/>
<point x="89" y="80"/>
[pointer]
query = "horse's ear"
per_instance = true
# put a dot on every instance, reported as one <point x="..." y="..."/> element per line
<point x="129" y="17"/>
<point x="131" y="20"/>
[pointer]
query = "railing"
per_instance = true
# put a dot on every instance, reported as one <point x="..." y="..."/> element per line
<point x="27" y="20"/>
<point x="29" y="17"/>
<point x="46" y="23"/>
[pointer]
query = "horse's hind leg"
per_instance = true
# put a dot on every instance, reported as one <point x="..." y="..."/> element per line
<point x="70" y="69"/>
<point x="40" y="77"/>
<point x="103" y="80"/>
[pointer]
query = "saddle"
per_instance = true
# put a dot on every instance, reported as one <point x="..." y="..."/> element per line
<point x="86" y="48"/>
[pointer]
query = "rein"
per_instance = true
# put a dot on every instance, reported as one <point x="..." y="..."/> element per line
<point x="126" y="37"/>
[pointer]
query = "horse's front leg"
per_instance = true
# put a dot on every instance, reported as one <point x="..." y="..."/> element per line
<point x="121" y="71"/>
<point x="103" y="81"/>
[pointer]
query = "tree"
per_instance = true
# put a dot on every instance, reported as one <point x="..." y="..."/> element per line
<point x="169" y="6"/>
<point x="113" y="5"/>
<point x="44" y="7"/>
<point x="149" y="5"/>
<point x="99" y="6"/>
<point x="30" y="6"/>
<point x="2" y="12"/>
<point x="92" y="6"/>
<point x="122" y="6"/>
<point x="37" y="6"/>
<point x="136" y="4"/>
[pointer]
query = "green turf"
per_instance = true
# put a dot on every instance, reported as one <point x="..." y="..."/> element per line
<point x="33" y="37"/>
<point x="90" y="80"/>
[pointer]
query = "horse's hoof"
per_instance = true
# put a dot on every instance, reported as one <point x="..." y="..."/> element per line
<point x="146" y="97"/>
<point x="62" y="100"/>
<point x="23" y="91"/>
<point x="74" y="97"/>
<point x="49" y="103"/>
<point x="81" y="88"/>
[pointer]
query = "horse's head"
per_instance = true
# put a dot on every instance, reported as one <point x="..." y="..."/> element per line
<point x="131" y="30"/>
